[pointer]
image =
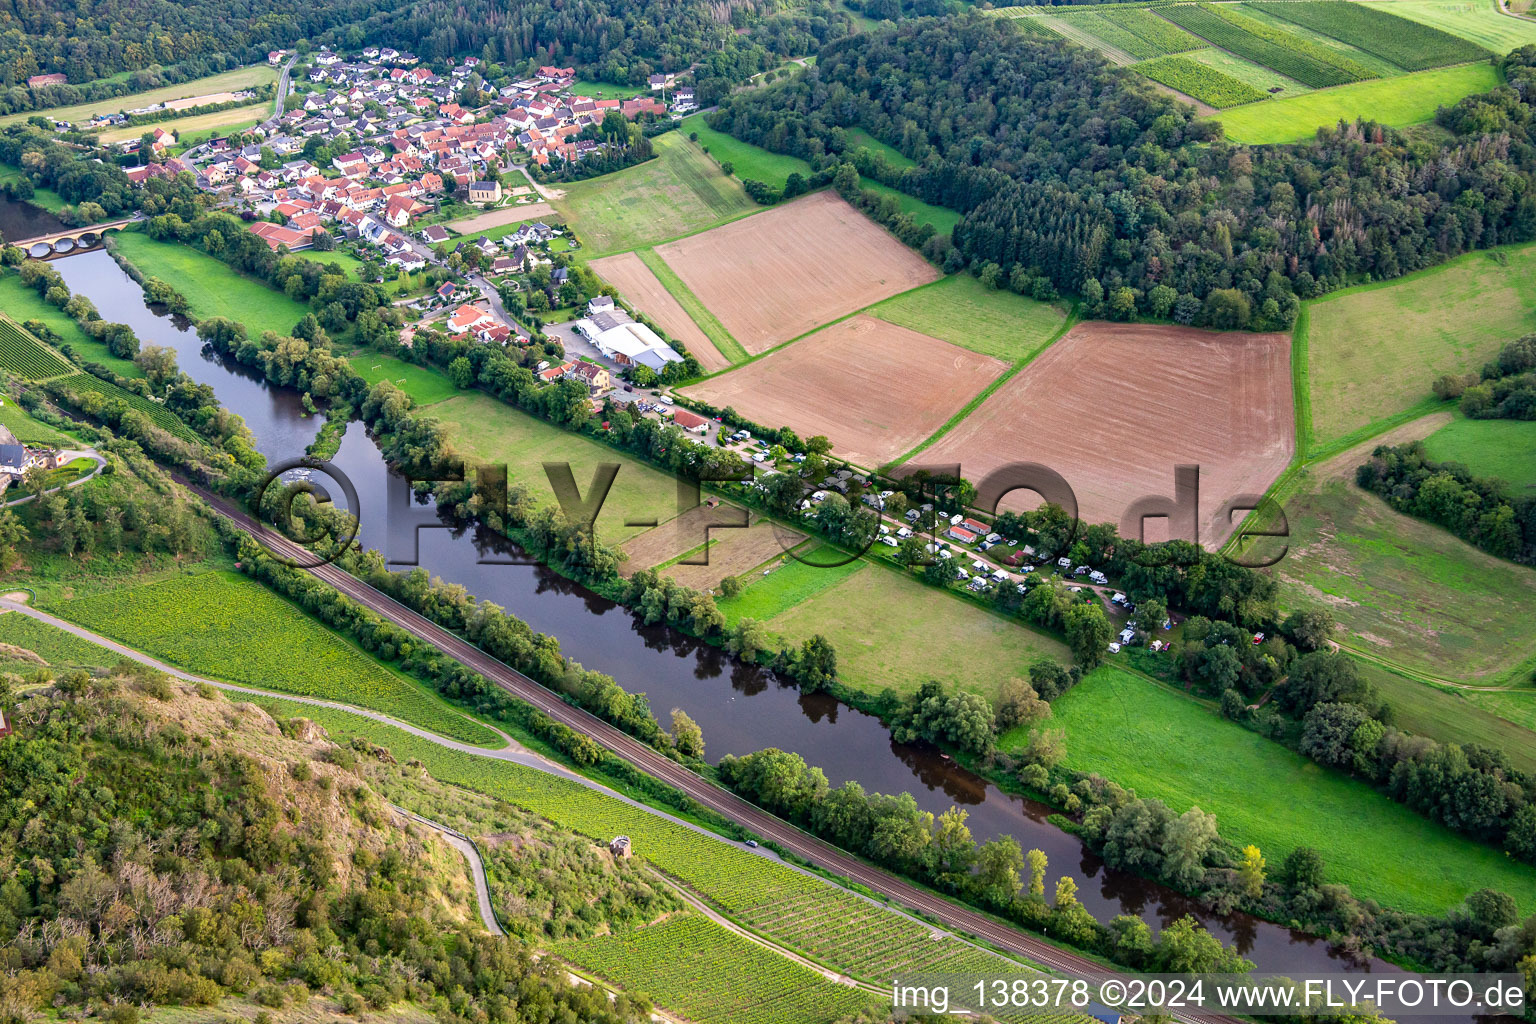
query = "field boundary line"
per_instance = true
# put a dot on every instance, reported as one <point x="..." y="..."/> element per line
<point x="1023" y="361"/>
<point x="694" y="307"/>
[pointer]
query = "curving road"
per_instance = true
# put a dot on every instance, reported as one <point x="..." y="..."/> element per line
<point x="459" y="841"/>
<point x="652" y="762"/>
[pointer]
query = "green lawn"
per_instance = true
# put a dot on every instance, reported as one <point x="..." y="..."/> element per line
<point x="787" y="583"/>
<point x="1477" y="20"/>
<point x="487" y="430"/>
<point x="1374" y="351"/>
<point x="42" y="196"/>
<point x="233" y="628"/>
<point x="1405" y="100"/>
<point x="942" y="218"/>
<point x="893" y="156"/>
<point x="196" y="128"/>
<point x="1140" y="734"/>
<point x="679" y="192"/>
<point x="607" y="90"/>
<point x="425" y="386"/>
<point x="1502" y="448"/>
<point x="1403" y="589"/>
<point x="21" y="304"/>
<point x="211" y="286"/>
<point x="747" y="160"/>
<point x="962" y="310"/>
<point x="892" y="631"/>
<point x="227" y="81"/>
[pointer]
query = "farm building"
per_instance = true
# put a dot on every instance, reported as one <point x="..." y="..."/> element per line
<point x="690" y="421"/>
<point x="627" y="342"/>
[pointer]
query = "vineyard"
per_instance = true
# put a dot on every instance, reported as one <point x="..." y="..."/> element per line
<point x="58" y="648"/>
<point x="1289" y="54"/>
<point x="1408" y="44"/>
<point x="831" y="925"/>
<point x="85" y="383"/>
<point x="1118" y="33"/>
<point x="1165" y="36"/>
<point x="710" y="974"/>
<point x="234" y="628"/>
<point x="1195" y="79"/>
<point x="25" y="356"/>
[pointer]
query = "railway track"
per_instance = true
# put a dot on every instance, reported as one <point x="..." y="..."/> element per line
<point x="707" y="794"/>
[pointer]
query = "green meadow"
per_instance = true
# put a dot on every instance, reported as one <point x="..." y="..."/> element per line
<point x="211" y="286"/>
<point x="1502" y="448"/>
<point x="1146" y="736"/>
<point x="961" y="310"/>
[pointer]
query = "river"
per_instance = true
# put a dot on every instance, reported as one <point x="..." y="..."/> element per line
<point x="740" y="708"/>
<point x="24" y="220"/>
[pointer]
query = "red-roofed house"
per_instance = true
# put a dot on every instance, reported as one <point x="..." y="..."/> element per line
<point x="351" y="163"/>
<point x="690" y="421"/>
<point x="467" y="318"/>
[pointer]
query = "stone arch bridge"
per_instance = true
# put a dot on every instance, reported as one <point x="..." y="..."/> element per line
<point x="57" y="243"/>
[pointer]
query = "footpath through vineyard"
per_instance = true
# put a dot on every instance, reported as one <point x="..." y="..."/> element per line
<point x="790" y="906"/>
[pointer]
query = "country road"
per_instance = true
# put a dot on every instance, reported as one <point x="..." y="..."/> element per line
<point x="462" y="843"/>
<point x="652" y="762"/>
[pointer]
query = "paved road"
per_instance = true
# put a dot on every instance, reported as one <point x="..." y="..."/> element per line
<point x="459" y="841"/>
<point x="653" y="763"/>
<point x="100" y="462"/>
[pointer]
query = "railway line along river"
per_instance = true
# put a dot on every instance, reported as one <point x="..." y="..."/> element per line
<point x="740" y="708"/>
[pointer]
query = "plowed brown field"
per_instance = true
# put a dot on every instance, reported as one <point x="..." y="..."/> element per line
<point x="1114" y="407"/>
<point x="874" y="389"/>
<point x="776" y="275"/>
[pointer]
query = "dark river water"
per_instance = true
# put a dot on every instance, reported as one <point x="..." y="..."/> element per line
<point x="740" y="708"/>
<point x="23" y="220"/>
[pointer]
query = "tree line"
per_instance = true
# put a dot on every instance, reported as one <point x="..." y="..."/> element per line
<point x="1505" y="389"/>
<point x="1074" y="172"/>
<point x="1481" y="510"/>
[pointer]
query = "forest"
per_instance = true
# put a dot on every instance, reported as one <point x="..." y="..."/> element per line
<point x="619" y="42"/>
<point x="1071" y="169"/>
<point x="215" y="854"/>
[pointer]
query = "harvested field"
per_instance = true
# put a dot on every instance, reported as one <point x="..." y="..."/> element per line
<point x="641" y="289"/>
<point x="777" y="275"/>
<point x="732" y="550"/>
<point x="874" y="389"/>
<point x="1114" y="407"/>
<point x="505" y="215"/>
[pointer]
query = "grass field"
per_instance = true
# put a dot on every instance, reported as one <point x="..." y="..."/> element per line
<point x="487" y="430"/>
<point x="1403" y="589"/>
<point x="746" y="160"/>
<point x="1404" y="100"/>
<point x="607" y="90"/>
<point x="942" y="218"/>
<point x="21" y="304"/>
<point x="677" y="193"/>
<point x="228" y="81"/>
<point x="1374" y="351"/>
<point x="1453" y="715"/>
<point x="942" y="637"/>
<point x="1502" y="448"/>
<point x="425" y="386"/>
<point x="194" y="128"/>
<point x="1164" y="745"/>
<point x="212" y="287"/>
<point x="1477" y="20"/>
<point x="233" y="628"/>
<point x="893" y="156"/>
<point x="962" y="310"/>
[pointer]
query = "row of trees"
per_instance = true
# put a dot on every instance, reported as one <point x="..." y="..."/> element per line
<point x="895" y="832"/>
<point x="1073" y="171"/>
<point x="1506" y="388"/>
<point x="1480" y="510"/>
